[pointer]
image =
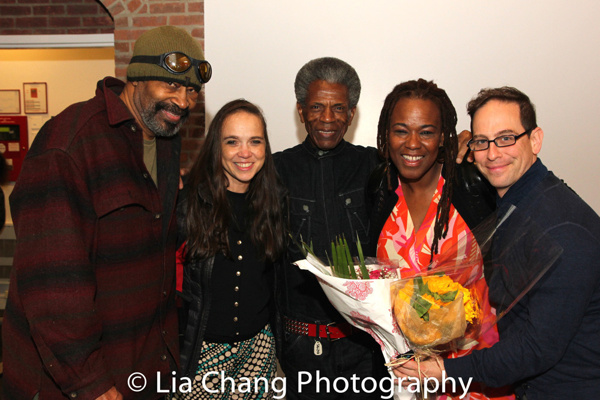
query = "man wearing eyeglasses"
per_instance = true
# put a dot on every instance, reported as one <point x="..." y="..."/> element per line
<point x="549" y="347"/>
<point x="91" y="309"/>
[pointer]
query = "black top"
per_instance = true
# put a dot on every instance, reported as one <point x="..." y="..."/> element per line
<point x="240" y="283"/>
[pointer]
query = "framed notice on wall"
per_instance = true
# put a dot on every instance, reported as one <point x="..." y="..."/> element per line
<point x="35" y="96"/>
<point x="10" y="101"/>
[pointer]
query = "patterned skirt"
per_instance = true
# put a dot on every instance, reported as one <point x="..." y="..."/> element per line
<point x="238" y="371"/>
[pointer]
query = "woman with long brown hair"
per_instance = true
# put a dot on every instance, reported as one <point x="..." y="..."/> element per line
<point x="232" y="216"/>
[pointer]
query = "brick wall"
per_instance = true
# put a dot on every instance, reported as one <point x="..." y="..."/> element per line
<point x="128" y="19"/>
<point x="51" y="17"/>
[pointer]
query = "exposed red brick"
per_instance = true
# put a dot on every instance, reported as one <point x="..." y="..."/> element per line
<point x="150" y="22"/>
<point x="96" y="21"/>
<point x="64" y="22"/>
<point x="15" y="11"/>
<point x="115" y="9"/>
<point x="32" y="22"/>
<point x="6" y="23"/>
<point x="198" y="33"/>
<point x="16" y="31"/>
<point x="122" y="47"/>
<point x="167" y="8"/>
<point x="49" y="10"/>
<point x="109" y="3"/>
<point x="122" y="58"/>
<point x="121" y="73"/>
<point x="47" y="31"/>
<point x="128" y="34"/>
<point x="196" y="7"/>
<point x="85" y="9"/>
<point x="189" y="20"/>
<point x="36" y="2"/>
<point x="121" y="22"/>
<point x="134" y="5"/>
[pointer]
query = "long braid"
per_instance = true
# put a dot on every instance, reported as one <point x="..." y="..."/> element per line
<point x="450" y="149"/>
<point x="427" y="90"/>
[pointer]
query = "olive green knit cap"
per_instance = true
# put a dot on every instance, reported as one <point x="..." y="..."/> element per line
<point x="157" y="41"/>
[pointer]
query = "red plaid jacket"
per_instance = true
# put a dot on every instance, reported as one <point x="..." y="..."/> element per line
<point x="91" y="297"/>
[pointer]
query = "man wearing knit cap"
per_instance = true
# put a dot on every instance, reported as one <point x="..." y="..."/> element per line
<point x="91" y="310"/>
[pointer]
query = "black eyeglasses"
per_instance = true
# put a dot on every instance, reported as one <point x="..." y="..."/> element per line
<point x="178" y="63"/>
<point x="500" y="141"/>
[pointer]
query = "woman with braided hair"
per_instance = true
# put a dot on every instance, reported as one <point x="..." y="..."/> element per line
<point x="424" y="201"/>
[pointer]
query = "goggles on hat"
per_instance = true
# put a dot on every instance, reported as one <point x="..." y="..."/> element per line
<point x="177" y="62"/>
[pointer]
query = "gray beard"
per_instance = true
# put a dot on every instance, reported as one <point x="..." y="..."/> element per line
<point x="164" y="129"/>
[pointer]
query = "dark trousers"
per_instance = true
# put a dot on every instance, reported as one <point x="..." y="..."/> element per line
<point x="357" y="356"/>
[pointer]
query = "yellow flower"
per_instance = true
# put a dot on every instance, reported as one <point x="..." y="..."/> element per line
<point x="406" y="292"/>
<point x="472" y="310"/>
<point x="441" y="285"/>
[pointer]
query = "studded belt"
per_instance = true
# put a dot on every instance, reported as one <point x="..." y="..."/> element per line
<point x="333" y="331"/>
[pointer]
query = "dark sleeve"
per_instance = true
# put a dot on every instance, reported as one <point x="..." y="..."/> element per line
<point x="546" y="326"/>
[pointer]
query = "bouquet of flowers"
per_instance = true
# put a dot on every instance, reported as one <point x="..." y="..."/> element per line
<point x="434" y="310"/>
<point x="440" y="309"/>
<point x="360" y="290"/>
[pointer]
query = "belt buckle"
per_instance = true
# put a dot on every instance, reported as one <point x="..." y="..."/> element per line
<point x="327" y="332"/>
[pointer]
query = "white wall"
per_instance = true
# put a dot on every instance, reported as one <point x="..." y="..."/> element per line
<point x="548" y="49"/>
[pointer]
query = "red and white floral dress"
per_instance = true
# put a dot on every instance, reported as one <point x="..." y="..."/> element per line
<point x="399" y="241"/>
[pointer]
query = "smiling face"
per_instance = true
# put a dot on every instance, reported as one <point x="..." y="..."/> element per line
<point x="414" y="137"/>
<point x="243" y="149"/>
<point x="503" y="166"/>
<point x="326" y="115"/>
<point x="161" y="108"/>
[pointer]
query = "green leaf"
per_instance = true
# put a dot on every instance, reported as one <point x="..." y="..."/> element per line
<point x="421" y="288"/>
<point x="340" y="263"/>
<point x="422" y="307"/>
<point x="349" y="259"/>
<point x="363" y="268"/>
<point x="333" y="264"/>
<point x="448" y="296"/>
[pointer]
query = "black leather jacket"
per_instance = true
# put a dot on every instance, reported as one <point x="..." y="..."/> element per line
<point x="196" y="293"/>
<point x="327" y="198"/>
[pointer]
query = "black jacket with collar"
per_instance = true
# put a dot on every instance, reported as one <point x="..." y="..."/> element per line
<point x="196" y="293"/>
<point x="327" y="198"/>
